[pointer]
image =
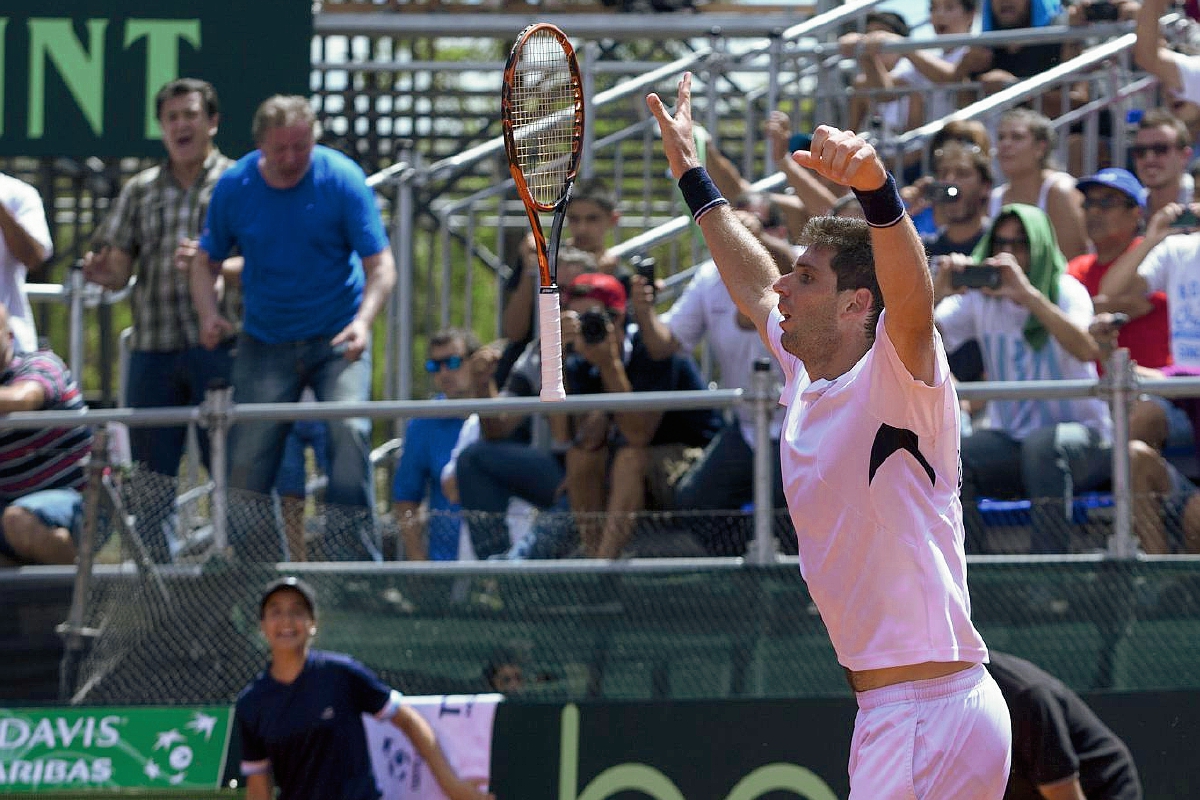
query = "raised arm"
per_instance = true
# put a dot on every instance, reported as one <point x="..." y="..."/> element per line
<point x="900" y="263"/>
<point x="746" y="267"/>
<point x="1148" y="50"/>
<point x="814" y="195"/>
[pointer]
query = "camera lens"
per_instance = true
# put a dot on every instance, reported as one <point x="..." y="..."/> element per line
<point x="593" y="326"/>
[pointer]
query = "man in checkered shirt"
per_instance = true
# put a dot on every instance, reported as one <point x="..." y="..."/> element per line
<point x="152" y="233"/>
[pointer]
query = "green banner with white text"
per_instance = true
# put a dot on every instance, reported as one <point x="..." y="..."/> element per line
<point x="78" y="77"/>
<point x="50" y="749"/>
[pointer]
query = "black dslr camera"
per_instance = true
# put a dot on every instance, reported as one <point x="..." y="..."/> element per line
<point x="593" y="326"/>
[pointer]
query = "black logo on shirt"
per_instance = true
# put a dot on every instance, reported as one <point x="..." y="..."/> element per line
<point x="889" y="440"/>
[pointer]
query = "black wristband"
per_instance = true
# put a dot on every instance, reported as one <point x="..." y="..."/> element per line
<point x="699" y="192"/>
<point x="882" y="207"/>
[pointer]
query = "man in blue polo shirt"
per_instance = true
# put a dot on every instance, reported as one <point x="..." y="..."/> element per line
<point x="317" y="271"/>
<point x="301" y="718"/>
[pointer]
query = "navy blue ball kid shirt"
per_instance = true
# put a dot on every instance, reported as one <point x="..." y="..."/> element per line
<point x="309" y="733"/>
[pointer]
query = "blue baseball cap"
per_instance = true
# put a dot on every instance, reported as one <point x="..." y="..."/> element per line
<point x="1122" y="180"/>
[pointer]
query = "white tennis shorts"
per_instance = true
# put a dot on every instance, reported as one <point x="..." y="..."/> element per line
<point x="943" y="739"/>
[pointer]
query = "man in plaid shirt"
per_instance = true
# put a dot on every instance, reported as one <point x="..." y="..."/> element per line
<point x="152" y="233"/>
<point x="41" y="471"/>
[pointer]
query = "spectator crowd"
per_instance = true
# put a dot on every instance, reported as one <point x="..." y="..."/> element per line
<point x="268" y="272"/>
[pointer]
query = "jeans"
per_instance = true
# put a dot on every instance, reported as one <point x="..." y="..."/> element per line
<point x="161" y="380"/>
<point x="1048" y="467"/>
<point x="292" y="479"/>
<point x="491" y="472"/>
<point x="723" y="480"/>
<point x="278" y="373"/>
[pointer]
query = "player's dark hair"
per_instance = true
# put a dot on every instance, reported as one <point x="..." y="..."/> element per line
<point x="853" y="259"/>
<point x="184" y="86"/>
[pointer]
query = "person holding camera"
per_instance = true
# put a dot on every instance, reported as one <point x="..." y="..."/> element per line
<point x="1014" y="296"/>
<point x="1164" y="261"/>
<point x="723" y="478"/>
<point x="622" y="462"/>
<point x="503" y="463"/>
<point x="591" y="217"/>
<point x="960" y="192"/>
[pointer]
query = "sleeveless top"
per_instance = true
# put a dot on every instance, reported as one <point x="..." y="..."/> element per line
<point x="995" y="199"/>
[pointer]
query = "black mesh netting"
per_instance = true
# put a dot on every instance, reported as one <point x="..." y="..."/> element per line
<point x="648" y="627"/>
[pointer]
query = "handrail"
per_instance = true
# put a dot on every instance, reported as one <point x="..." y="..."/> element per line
<point x="906" y="141"/>
<point x="1022" y="91"/>
<point x="587" y="26"/>
<point x="376" y="409"/>
<point x="629" y="88"/>
<point x="218" y="413"/>
<point x="1048" y="34"/>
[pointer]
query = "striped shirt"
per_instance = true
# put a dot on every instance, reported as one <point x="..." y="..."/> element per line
<point x="35" y="460"/>
<point x="151" y="216"/>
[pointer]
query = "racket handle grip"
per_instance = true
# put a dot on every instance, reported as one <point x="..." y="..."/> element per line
<point x="550" y="329"/>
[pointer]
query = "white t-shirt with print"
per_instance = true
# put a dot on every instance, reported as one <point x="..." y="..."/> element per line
<point x="998" y="324"/>
<point x="706" y="309"/>
<point x="870" y="465"/>
<point x="1173" y="266"/>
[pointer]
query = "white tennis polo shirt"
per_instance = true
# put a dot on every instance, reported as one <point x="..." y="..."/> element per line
<point x="870" y="465"/>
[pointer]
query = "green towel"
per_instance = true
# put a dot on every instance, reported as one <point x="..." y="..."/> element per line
<point x="1046" y="262"/>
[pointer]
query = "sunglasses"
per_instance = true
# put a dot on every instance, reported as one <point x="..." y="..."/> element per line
<point x="434" y="365"/>
<point x="1140" y="150"/>
<point x="1106" y="203"/>
<point x="1000" y="241"/>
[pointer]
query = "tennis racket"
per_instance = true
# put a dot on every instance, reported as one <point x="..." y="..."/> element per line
<point x="541" y="109"/>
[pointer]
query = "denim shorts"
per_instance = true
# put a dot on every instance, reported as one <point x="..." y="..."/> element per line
<point x="56" y="508"/>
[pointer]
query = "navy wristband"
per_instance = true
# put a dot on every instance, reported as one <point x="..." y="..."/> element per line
<point x="882" y="207"/>
<point x="699" y="192"/>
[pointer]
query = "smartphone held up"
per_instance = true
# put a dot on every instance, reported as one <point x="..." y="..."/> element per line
<point x="976" y="276"/>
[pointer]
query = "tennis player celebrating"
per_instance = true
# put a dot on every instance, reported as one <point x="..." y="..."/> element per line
<point x="869" y="456"/>
<point x="301" y="719"/>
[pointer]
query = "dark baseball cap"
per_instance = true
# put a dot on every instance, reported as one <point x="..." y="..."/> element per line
<point x="290" y="583"/>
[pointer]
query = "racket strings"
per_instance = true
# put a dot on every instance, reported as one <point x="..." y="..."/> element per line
<point x="544" y="99"/>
